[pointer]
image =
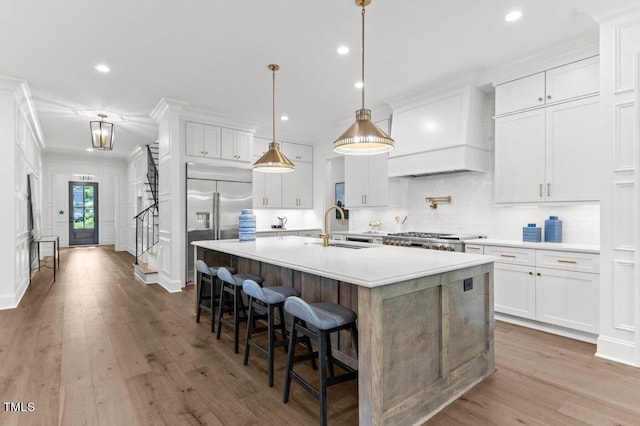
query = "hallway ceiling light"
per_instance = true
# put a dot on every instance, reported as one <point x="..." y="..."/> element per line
<point x="274" y="161"/>
<point x="363" y="137"/>
<point x="102" y="134"/>
<point x="102" y="68"/>
<point x="513" y="16"/>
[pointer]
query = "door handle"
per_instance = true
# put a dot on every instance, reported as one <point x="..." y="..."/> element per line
<point x="540" y="190"/>
<point x="548" y="190"/>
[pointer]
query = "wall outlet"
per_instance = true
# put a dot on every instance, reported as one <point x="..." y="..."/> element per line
<point x="467" y="284"/>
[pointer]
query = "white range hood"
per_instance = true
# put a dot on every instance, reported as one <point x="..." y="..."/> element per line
<point x="439" y="133"/>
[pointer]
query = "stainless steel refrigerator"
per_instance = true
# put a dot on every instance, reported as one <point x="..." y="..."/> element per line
<point x="215" y="197"/>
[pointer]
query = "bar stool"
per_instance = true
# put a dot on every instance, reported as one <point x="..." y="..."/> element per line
<point x="207" y="299"/>
<point x="231" y="285"/>
<point x="325" y="318"/>
<point x="262" y="305"/>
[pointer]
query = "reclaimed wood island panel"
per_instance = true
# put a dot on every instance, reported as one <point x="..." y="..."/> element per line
<point x="425" y="317"/>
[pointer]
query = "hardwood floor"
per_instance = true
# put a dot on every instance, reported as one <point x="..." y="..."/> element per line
<point x="98" y="347"/>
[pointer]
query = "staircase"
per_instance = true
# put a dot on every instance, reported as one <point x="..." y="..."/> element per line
<point x="147" y="223"/>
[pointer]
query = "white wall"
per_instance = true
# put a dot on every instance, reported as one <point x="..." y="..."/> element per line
<point x="109" y="174"/>
<point x="21" y="139"/>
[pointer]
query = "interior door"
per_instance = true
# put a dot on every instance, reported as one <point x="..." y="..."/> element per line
<point x="83" y="213"/>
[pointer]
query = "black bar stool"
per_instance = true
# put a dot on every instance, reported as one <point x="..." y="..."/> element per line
<point x="263" y="303"/>
<point x="231" y="285"/>
<point x="208" y="293"/>
<point x="317" y="321"/>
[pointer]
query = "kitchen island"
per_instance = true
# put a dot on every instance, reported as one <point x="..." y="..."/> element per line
<point x="425" y="317"/>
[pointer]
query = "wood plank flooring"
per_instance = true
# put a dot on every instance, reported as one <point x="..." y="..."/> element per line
<point x="98" y="347"/>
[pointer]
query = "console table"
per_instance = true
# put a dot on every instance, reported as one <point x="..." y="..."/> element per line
<point x="47" y="239"/>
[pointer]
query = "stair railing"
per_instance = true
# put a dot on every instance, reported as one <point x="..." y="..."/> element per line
<point x="147" y="221"/>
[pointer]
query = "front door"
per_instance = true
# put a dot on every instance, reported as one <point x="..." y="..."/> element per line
<point x="83" y="213"/>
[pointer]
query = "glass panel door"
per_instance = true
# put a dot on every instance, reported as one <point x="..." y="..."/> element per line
<point x="83" y="216"/>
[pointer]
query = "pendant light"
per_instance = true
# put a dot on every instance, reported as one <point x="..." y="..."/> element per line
<point x="102" y="134"/>
<point x="363" y="137"/>
<point x="274" y="161"/>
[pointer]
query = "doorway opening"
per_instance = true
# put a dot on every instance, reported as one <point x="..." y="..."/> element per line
<point x="83" y="213"/>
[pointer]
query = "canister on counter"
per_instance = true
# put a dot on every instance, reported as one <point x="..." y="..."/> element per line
<point x="553" y="230"/>
<point x="531" y="233"/>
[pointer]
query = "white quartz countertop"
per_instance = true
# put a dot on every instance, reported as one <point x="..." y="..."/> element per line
<point x="263" y="230"/>
<point x="583" y="248"/>
<point x="369" y="234"/>
<point x="372" y="266"/>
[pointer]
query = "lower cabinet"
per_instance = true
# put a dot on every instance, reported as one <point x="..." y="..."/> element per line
<point x="550" y="286"/>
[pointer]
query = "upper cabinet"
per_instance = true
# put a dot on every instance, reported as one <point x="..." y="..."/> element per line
<point x="366" y="181"/>
<point x="577" y="79"/>
<point x="204" y="140"/>
<point x="296" y="152"/>
<point x="236" y="145"/>
<point x="293" y="190"/>
<point x="549" y="153"/>
<point x="439" y="132"/>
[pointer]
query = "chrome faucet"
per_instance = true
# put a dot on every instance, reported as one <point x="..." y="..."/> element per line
<point x="325" y="235"/>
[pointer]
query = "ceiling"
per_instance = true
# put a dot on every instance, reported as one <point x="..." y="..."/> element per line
<point x="213" y="54"/>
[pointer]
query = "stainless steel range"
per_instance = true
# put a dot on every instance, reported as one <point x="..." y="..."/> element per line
<point x="429" y="240"/>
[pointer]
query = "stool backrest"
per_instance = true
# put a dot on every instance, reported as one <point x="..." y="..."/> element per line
<point x="252" y="289"/>
<point x="225" y="275"/>
<point x="301" y="309"/>
<point x="203" y="267"/>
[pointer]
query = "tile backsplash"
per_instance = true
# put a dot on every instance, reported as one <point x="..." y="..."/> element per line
<point x="472" y="210"/>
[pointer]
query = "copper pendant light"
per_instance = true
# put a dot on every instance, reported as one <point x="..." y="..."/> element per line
<point x="363" y="137"/>
<point x="274" y="161"/>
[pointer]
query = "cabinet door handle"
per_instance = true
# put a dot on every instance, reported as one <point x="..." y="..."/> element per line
<point x="530" y="273"/>
<point x="361" y="199"/>
<point x="511" y="256"/>
<point x="365" y="199"/>
<point x="539" y="99"/>
<point x="573" y="262"/>
<point x="548" y="190"/>
<point x="540" y="190"/>
<point x="539" y="274"/>
<point x="548" y="96"/>
<point x="206" y="152"/>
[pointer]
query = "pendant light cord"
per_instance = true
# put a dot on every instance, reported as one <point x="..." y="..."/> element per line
<point x="273" y="97"/>
<point x="363" y="55"/>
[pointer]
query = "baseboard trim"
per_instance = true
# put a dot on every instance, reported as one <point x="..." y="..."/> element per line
<point x="616" y="350"/>
<point x="172" y="286"/>
<point x="548" y="328"/>
<point x="12" y="301"/>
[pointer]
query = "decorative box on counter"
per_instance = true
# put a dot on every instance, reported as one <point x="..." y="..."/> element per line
<point x="531" y="233"/>
<point x="553" y="230"/>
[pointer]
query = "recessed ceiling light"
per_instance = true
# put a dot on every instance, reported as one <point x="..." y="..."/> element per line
<point x="342" y="50"/>
<point x="359" y="85"/>
<point x="284" y="118"/>
<point x="513" y="16"/>
<point x="102" y="68"/>
<point x="90" y="149"/>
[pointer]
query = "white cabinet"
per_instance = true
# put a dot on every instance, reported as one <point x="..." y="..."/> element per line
<point x="296" y="152"/>
<point x="366" y="181"/>
<point x="202" y="140"/>
<point x="567" y="298"/>
<point x="549" y="154"/>
<point x="260" y="147"/>
<point x="294" y="189"/>
<point x="236" y="145"/>
<point x="577" y="79"/>
<point x="297" y="187"/>
<point x="267" y="190"/>
<point x="550" y="286"/>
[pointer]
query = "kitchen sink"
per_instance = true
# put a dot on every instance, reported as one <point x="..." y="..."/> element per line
<point x="343" y="245"/>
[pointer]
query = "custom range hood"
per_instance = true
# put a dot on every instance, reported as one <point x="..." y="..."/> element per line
<point x="440" y="132"/>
